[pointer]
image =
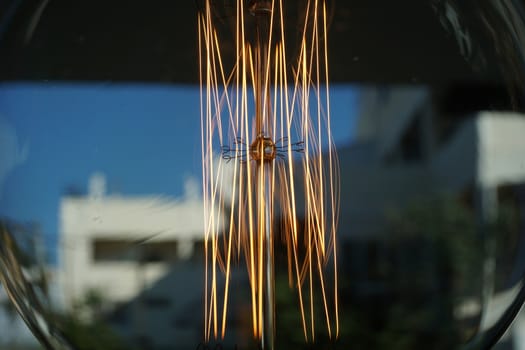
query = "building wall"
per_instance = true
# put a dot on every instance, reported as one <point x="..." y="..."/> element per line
<point x="85" y="221"/>
<point x="144" y="255"/>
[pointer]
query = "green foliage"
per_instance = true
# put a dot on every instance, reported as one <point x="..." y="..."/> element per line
<point x="446" y="233"/>
<point x="85" y="327"/>
<point x="505" y="235"/>
<point x="94" y="335"/>
<point x="290" y="334"/>
<point x="431" y="263"/>
<point x="438" y="252"/>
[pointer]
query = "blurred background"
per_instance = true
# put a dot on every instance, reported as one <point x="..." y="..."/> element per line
<point x="101" y="203"/>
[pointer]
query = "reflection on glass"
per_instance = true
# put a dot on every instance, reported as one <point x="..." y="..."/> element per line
<point x="435" y="213"/>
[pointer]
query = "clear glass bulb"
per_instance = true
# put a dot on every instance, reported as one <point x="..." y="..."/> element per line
<point x="108" y="113"/>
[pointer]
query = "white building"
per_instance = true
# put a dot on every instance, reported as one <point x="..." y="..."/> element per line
<point x="142" y="254"/>
<point x="402" y="153"/>
<point x="405" y="151"/>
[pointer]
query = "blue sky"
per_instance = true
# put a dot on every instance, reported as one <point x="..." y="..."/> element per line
<point x="144" y="138"/>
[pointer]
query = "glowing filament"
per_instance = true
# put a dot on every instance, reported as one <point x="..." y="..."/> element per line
<point x="271" y="119"/>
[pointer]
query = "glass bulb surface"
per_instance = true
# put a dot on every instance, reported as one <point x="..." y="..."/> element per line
<point x="101" y="203"/>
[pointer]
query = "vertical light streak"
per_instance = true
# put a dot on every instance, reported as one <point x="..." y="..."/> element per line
<point x="260" y="126"/>
<point x="333" y="168"/>
<point x="204" y="179"/>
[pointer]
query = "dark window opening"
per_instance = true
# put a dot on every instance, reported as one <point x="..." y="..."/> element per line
<point x="156" y="301"/>
<point x="411" y="142"/>
<point x="198" y="252"/>
<point x="159" y="251"/>
<point x="114" y="250"/>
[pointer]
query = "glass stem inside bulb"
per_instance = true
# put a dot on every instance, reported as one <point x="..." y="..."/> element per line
<point x="264" y="170"/>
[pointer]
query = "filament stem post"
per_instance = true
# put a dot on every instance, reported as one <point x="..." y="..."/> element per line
<point x="263" y="153"/>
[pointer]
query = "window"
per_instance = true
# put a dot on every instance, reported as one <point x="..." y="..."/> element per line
<point x="165" y="251"/>
<point x="156" y="301"/>
<point x="114" y="250"/>
<point x="105" y="250"/>
<point x="411" y="143"/>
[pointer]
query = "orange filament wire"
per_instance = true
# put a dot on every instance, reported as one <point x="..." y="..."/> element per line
<point x="236" y="205"/>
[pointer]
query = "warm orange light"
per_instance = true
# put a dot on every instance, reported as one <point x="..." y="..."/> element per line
<point x="271" y="120"/>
